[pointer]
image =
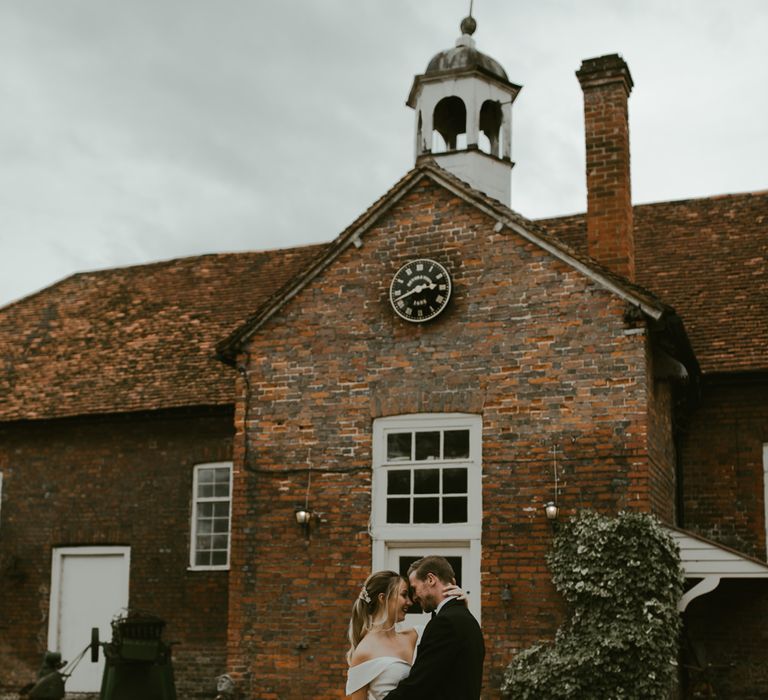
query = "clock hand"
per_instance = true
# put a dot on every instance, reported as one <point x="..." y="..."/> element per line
<point x="418" y="288"/>
<point x="415" y="290"/>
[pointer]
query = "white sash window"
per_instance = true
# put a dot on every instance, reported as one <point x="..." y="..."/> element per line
<point x="211" y="516"/>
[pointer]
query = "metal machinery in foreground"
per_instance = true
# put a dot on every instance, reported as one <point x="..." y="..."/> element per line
<point x="137" y="664"/>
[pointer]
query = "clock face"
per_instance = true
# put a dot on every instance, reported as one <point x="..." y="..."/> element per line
<point x="420" y="290"/>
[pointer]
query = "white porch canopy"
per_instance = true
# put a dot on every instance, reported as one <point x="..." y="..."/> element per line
<point x="711" y="562"/>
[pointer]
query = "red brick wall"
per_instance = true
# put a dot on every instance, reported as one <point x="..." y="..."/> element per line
<point x="722" y="456"/>
<point x="118" y="481"/>
<point x="536" y="348"/>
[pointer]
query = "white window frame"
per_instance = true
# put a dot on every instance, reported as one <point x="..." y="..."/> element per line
<point x="193" y="526"/>
<point x="429" y="537"/>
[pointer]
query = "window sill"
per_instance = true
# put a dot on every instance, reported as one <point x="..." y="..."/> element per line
<point x="208" y="568"/>
<point x="470" y="531"/>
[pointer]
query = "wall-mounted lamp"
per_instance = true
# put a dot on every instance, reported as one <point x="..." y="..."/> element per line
<point x="551" y="508"/>
<point x="304" y="518"/>
<point x="551" y="511"/>
<point x="506" y="599"/>
<point x="303" y="513"/>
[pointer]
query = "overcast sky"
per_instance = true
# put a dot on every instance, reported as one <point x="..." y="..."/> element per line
<point x="141" y="130"/>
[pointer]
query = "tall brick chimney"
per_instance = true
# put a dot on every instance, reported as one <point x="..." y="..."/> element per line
<point x="606" y="83"/>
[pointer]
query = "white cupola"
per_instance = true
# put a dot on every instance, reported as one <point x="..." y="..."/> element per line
<point x="463" y="105"/>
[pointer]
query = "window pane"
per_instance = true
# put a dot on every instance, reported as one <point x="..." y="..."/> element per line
<point x="220" y="525"/>
<point x="205" y="510"/>
<point x="426" y="481"/>
<point x="456" y="444"/>
<point x="203" y="559"/>
<point x="219" y="558"/>
<point x="454" y="481"/>
<point x="205" y="476"/>
<point x="221" y="510"/>
<point x="399" y="481"/>
<point x="455" y="509"/>
<point x="398" y="510"/>
<point x="398" y="447"/>
<point x="204" y="490"/>
<point x="203" y="542"/>
<point x="428" y="445"/>
<point x="219" y="542"/>
<point x="221" y="490"/>
<point x="221" y="475"/>
<point x="204" y="527"/>
<point x="426" y="510"/>
<point x="455" y="563"/>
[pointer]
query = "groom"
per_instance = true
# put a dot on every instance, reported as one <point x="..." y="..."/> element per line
<point x="449" y="659"/>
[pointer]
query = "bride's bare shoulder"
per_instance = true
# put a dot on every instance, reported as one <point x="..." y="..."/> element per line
<point x="364" y="651"/>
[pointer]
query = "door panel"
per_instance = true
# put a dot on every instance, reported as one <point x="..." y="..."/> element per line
<point x="89" y="588"/>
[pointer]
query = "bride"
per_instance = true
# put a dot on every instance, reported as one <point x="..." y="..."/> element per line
<point x="380" y="656"/>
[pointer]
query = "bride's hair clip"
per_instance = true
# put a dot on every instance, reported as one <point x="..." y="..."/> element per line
<point x="364" y="595"/>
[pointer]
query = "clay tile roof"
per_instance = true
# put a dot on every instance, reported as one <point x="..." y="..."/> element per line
<point x="708" y="259"/>
<point x="144" y="337"/>
<point x="134" y="338"/>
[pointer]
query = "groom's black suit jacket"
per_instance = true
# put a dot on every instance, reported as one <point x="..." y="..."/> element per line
<point x="449" y="661"/>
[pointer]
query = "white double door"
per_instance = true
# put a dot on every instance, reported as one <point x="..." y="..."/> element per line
<point x="89" y="587"/>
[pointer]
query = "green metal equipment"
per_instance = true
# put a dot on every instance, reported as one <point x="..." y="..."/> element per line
<point x="138" y="662"/>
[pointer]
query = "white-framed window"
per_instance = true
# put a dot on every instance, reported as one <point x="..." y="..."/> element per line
<point x="427" y="493"/>
<point x="211" y="516"/>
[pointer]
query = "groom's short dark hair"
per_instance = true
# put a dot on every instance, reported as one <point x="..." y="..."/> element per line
<point x="433" y="564"/>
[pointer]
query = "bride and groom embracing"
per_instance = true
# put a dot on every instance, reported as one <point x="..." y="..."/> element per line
<point x="442" y="660"/>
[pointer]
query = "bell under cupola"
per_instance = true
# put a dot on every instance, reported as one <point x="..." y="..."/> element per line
<point x="463" y="104"/>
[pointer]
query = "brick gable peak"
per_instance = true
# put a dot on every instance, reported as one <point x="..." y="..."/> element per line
<point x="506" y="219"/>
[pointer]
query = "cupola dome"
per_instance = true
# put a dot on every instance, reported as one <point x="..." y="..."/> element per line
<point x="464" y="56"/>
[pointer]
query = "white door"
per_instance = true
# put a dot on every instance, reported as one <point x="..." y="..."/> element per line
<point x="400" y="557"/>
<point x="89" y="587"/>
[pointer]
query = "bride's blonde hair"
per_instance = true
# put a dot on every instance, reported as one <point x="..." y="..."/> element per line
<point x="367" y="605"/>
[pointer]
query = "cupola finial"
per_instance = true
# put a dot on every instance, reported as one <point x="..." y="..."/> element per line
<point x="468" y="24"/>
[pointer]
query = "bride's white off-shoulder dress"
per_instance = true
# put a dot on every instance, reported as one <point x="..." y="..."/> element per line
<point x="381" y="674"/>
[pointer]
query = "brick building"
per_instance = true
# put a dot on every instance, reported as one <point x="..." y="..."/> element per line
<point x="426" y="382"/>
